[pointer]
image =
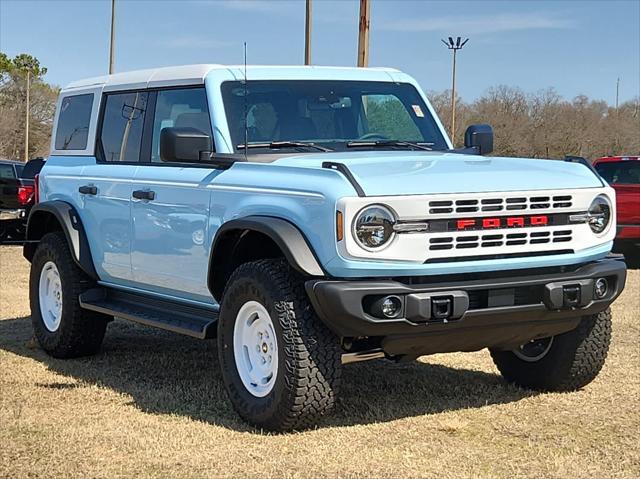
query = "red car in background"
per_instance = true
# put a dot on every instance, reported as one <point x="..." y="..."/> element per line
<point x="623" y="174"/>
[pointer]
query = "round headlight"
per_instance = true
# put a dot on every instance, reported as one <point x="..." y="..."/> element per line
<point x="373" y="226"/>
<point x="599" y="214"/>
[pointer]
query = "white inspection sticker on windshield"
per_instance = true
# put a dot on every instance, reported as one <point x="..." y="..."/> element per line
<point x="418" y="111"/>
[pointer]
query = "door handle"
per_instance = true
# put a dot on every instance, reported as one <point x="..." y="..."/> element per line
<point x="88" y="190"/>
<point x="144" y="195"/>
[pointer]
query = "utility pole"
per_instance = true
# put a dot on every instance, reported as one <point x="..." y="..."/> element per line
<point x="617" y="93"/>
<point x="307" y="35"/>
<point x="113" y="37"/>
<point x="363" y="33"/>
<point x="26" y="127"/>
<point x="454" y="46"/>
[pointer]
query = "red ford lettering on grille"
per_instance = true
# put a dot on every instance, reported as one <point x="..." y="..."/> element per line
<point x="491" y="223"/>
<point x="464" y="224"/>
<point x="502" y="222"/>
<point x="515" y="221"/>
<point x="538" y="221"/>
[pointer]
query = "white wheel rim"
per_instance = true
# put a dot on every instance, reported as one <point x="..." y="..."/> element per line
<point x="255" y="349"/>
<point x="50" y="295"/>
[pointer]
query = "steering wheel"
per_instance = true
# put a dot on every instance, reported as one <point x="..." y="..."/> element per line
<point x="373" y="136"/>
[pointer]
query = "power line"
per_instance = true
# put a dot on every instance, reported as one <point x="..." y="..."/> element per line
<point x="363" y="33"/>
<point x="307" y="35"/>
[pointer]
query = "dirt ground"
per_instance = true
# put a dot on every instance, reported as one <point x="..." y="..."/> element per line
<point x="151" y="404"/>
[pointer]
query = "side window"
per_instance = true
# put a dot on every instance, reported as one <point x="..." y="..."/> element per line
<point x="122" y="126"/>
<point x="73" y="122"/>
<point x="6" y="172"/>
<point x="179" y="108"/>
<point x="387" y="116"/>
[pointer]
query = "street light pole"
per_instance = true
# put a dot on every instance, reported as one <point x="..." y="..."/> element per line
<point x="454" y="46"/>
<point x="453" y="97"/>
<point x="26" y="126"/>
<point x="307" y="35"/>
<point x="113" y="37"/>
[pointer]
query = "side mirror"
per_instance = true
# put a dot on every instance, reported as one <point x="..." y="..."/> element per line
<point x="183" y="144"/>
<point x="480" y="138"/>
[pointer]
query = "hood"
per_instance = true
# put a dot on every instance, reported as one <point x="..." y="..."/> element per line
<point x="392" y="173"/>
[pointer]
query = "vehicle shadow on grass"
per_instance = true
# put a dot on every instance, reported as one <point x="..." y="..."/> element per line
<point x="166" y="373"/>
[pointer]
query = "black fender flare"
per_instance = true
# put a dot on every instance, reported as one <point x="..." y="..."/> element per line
<point x="70" y="223"/>
<point x="285" y="235"/>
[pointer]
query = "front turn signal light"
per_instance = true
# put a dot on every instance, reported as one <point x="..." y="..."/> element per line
<point x="339" y="226"/>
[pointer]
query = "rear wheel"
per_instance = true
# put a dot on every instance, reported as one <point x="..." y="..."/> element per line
<point x="280" y="364"/>
<point x="565" y="362"/>
<point x="62" y="328"/>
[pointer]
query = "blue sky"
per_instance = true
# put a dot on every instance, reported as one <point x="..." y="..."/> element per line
<point x="577" y="47"/>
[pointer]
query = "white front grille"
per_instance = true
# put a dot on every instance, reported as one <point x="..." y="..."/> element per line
<point x="494" y="204"/>
<point x="482" y="240"/>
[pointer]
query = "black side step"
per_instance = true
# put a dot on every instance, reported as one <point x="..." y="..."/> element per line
<point x="150" y="311"/>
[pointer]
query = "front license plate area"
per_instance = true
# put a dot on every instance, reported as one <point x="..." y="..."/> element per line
<point x="501" y="297"/>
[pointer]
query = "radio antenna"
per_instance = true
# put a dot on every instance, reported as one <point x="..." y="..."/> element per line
<point x="246" y="92"/>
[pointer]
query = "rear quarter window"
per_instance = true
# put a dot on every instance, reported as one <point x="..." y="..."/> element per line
<point x="73" y="122"/>
<point x="6" y="172"/>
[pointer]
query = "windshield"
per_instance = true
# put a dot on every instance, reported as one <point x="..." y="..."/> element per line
<point x="620" y="172"/>
<point x="328" y="113"/>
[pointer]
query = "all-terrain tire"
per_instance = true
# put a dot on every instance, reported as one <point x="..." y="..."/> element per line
<point x="79" y="332"/>
<point x="308" y="354"/>
<point x="573" y="360"/>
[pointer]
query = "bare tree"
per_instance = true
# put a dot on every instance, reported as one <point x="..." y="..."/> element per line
<point x="543" y="125"/>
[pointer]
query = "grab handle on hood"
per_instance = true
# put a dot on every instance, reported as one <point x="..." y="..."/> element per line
<point x="344" y="169"/>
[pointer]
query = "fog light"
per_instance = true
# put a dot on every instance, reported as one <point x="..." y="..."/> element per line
<point x="601" y="288"/>
<point x="391" y="306"/>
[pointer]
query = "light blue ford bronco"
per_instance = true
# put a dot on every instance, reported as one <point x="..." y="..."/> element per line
<point x="310" y="217"/>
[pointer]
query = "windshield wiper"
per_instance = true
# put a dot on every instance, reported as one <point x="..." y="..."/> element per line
<point x="385" y="143"/>
<point x="284" y="144"/>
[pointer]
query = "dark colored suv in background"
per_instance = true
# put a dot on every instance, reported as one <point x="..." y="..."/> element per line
<point x="17" y="196"/>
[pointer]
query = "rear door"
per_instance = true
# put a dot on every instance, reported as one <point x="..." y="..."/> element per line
<point x="170" y="241"/>
<point x="108" y="183"/>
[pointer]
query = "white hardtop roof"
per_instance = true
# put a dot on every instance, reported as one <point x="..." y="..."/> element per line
<point x="196" y="74"/>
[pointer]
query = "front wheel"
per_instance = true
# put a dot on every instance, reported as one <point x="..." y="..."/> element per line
<point x="280" y="364"/>
<point x="566" y="362"/>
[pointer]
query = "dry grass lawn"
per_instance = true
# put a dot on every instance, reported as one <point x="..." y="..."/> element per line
<point x="151" y="404"/>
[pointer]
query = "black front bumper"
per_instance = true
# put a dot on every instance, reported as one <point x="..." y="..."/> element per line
<point x="500" y="311"/>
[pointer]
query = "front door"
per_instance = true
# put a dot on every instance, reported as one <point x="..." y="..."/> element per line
<point x="170" y="207"/>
